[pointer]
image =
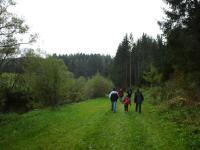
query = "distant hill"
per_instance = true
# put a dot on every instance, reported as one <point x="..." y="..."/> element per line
<point x="87" y="65"/>
<point x="79" y="64"/>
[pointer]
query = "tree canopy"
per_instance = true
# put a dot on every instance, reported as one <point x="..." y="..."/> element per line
<point x="11" y="27"/>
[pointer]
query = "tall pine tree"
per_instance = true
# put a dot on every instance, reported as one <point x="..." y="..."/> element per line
<point x="120" y="70"/>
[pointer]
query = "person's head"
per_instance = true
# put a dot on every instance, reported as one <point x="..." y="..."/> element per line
<point x="138" y="90"/>
<point x="114" y="89"/>
<point x="129" y="89"/>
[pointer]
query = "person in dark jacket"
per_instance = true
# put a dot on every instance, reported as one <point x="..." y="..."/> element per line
<point x="113" y="97"/>
<point x="138" y="99"/>
<point x="129" y="93"/>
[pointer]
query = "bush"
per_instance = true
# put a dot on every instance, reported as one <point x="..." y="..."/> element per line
<point x="177" y="101"/>
<point x="98" y="86"/>
<point x="49" y="80"/>
<point x="2" y="99"/>
<point x="168" y="90"/>
<point x="152" y="76"/>
<point x="181" y="90"/>
<point x="13" y="92"/>
<point x="80" y="86"/>
<point x="76" y="91"/>
<point x="155" y="94"/>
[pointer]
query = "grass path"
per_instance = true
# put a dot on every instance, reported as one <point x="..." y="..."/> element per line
<point x="89" y="125"/>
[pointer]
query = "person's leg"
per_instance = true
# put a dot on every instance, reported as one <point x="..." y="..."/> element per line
<point x="124" y="107"/>
<point x="114" y="106"/>
<point x="136" y="107"/>
<point x="111" y="106"/>
<point x="140" y="108"/>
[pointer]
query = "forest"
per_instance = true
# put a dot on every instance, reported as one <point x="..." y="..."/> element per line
<point x="166" y="68"/>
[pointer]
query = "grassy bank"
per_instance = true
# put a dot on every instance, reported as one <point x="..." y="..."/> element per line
<point x="185" y="117"/>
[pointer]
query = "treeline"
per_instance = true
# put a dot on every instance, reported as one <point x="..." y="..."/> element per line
<point x="87" y="65"/>
<point x="134" y="58"/>
<point x="182" y="32"/>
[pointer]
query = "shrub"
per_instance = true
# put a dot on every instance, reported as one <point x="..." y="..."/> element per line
<point x="49" y="79"/>
<point x="13" y="92"/>
<point x="181" y="90"/>
<point x="80" y="86"/>
<point x="152" y="76"/>
<point x="168" y="90"/>
<point x="177" y="101"/>
<point x="155" y="94"/>
<point x="75" y="92"/>
<point x="2" y="99"/>
<point x="98" y="86"/>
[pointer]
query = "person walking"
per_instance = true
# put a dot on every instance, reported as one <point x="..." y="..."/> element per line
<point x="113" y="97"/>
<point x="138" y="99"/>
<point x="129" y="93"/>
<point x="126" y="103"/>
<point x="121" y="95"/>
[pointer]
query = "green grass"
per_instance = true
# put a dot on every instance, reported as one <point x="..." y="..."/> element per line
<point x="89" y="125"/>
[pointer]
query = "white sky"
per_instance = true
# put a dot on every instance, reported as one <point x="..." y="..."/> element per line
<point x="88" y="26"/>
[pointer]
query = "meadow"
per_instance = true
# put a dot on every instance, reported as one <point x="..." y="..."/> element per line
<point x="89" y="125"/>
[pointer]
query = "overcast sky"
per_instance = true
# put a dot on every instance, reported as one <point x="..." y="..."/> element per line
<point x="88" y="26"/>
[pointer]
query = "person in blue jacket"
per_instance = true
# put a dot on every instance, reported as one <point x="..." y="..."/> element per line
<point x="138" y="99"/>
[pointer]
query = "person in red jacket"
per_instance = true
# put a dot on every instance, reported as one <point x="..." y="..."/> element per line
<point x="126" y="103"/>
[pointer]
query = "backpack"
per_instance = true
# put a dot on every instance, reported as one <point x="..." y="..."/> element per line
<point x="114" y="96"/>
